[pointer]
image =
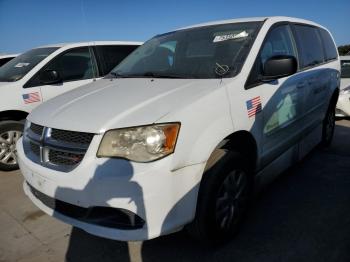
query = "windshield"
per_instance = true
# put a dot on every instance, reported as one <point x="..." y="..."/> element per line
<point x="205" y="52"/>
<point x="345" y="69"/>
<point x="21" y="65"/>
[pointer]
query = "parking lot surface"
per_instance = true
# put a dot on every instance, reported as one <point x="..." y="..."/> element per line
<point x="302" y="216"/>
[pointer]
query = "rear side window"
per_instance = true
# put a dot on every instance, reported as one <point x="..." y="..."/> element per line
<point x="345" y="69"/>
<point x="309" y="45"/>
<point x="330" y="49"/>
<point x="111" y="56"/>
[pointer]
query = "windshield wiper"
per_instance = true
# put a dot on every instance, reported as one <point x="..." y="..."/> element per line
<point x="116" y="74"/>
<point x="158" y="75"/>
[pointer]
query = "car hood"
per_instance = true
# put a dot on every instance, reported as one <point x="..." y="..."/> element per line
<point x="2" y="84"/>
<point x="108" y="104"/>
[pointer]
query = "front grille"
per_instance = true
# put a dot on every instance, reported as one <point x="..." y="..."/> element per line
<point x="37" y="129"/>
<point x="35" y="148"/>
<point x="64" y="158"/>
<point x="98" y="215"/>
<point x="71" y="137"/>
<point x="54" y="148"/>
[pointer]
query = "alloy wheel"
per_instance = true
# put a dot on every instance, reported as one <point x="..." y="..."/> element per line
<point x="230" y="199"/>
<point x="8" y="151"/>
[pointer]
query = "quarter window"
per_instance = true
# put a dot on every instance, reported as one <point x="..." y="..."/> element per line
<point x="310" y="46"/>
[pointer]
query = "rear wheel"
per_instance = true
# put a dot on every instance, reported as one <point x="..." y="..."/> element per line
<point x="222" y="201"/>
<point x="328" y="126"/>
<point x="10" y="132"/>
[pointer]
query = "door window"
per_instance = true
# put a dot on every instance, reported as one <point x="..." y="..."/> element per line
<point x="76" y="64"/>
<point x="310" y="45"/>
<point x="279" y="41"/>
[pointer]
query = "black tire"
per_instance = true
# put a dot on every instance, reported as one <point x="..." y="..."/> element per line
<point x="209" y="226"/>
<point x="10" y="132"/>
<point x="328" y="126"/>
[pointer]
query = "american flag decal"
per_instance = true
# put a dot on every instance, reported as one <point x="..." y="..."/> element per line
<point x="31" y="98"/>
<point x="254" y="106"/>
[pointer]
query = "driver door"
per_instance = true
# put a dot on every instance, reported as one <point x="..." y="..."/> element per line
<point x="281" y="99"/>
<point x="76" y="67"/>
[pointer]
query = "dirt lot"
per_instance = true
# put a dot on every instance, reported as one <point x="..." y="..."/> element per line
<point x="303" y="216"/>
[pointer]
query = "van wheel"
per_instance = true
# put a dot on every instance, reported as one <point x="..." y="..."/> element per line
<point x="223" y="199"/>
<point x="328" y="126"/>
<point x="10" y="132"/>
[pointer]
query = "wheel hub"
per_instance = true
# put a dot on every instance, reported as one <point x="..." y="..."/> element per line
<point x="8" y="151"/>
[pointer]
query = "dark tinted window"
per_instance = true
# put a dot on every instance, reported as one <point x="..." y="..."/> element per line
<point x="111" y="56"/>
<point x="345" y="69"/>
<point x="310" y="45"/>
<point x="73" y="65"/>
<point x="5" y="60"/>
<point x="22" y="64"/>
<point x="279" y="41"/>
<point x="330" y="49"/>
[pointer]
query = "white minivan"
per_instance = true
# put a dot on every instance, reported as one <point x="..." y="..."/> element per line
<point x="343" y="105"/>
<point x="180" y="131"/>
<point x="43" y="73"/>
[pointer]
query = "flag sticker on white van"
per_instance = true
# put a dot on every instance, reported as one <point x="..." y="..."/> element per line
<point x="31" y="98"/>
<point x="254" y="106"/>
<point x="220" y="38"/>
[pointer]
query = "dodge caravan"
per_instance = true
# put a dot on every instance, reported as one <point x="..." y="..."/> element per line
<point x="44" y="72"/>
<point x="182" y="131"/>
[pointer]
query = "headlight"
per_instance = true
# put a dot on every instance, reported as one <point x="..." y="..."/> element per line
<point x="140" y="144"/>
<point x="345" y="91"/>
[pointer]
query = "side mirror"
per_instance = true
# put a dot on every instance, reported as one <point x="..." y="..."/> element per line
<point x="279" y="66"/>
<point x="49" y="77"/>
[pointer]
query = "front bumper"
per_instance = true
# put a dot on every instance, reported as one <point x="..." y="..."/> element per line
<point x="164" y="199"/>
<point x="343" y="105"/>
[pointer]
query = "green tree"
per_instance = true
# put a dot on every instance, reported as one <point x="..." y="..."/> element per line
<point x="344" y="50"/>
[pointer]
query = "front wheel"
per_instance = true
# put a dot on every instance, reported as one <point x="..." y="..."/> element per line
<point x="10" y="132"/>
<point x="222" y="201"/>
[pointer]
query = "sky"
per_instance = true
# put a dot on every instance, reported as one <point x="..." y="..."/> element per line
<point x="25" y="24"/>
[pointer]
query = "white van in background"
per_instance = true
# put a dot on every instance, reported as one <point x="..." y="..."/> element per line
<point x="43" y="73"/>
<point x="6" y="58"/>
<point x="343" y="105"/>
<point x="180" y="131"/>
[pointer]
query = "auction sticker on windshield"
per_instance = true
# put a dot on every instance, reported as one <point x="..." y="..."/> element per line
<point x="220" y="38"/>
